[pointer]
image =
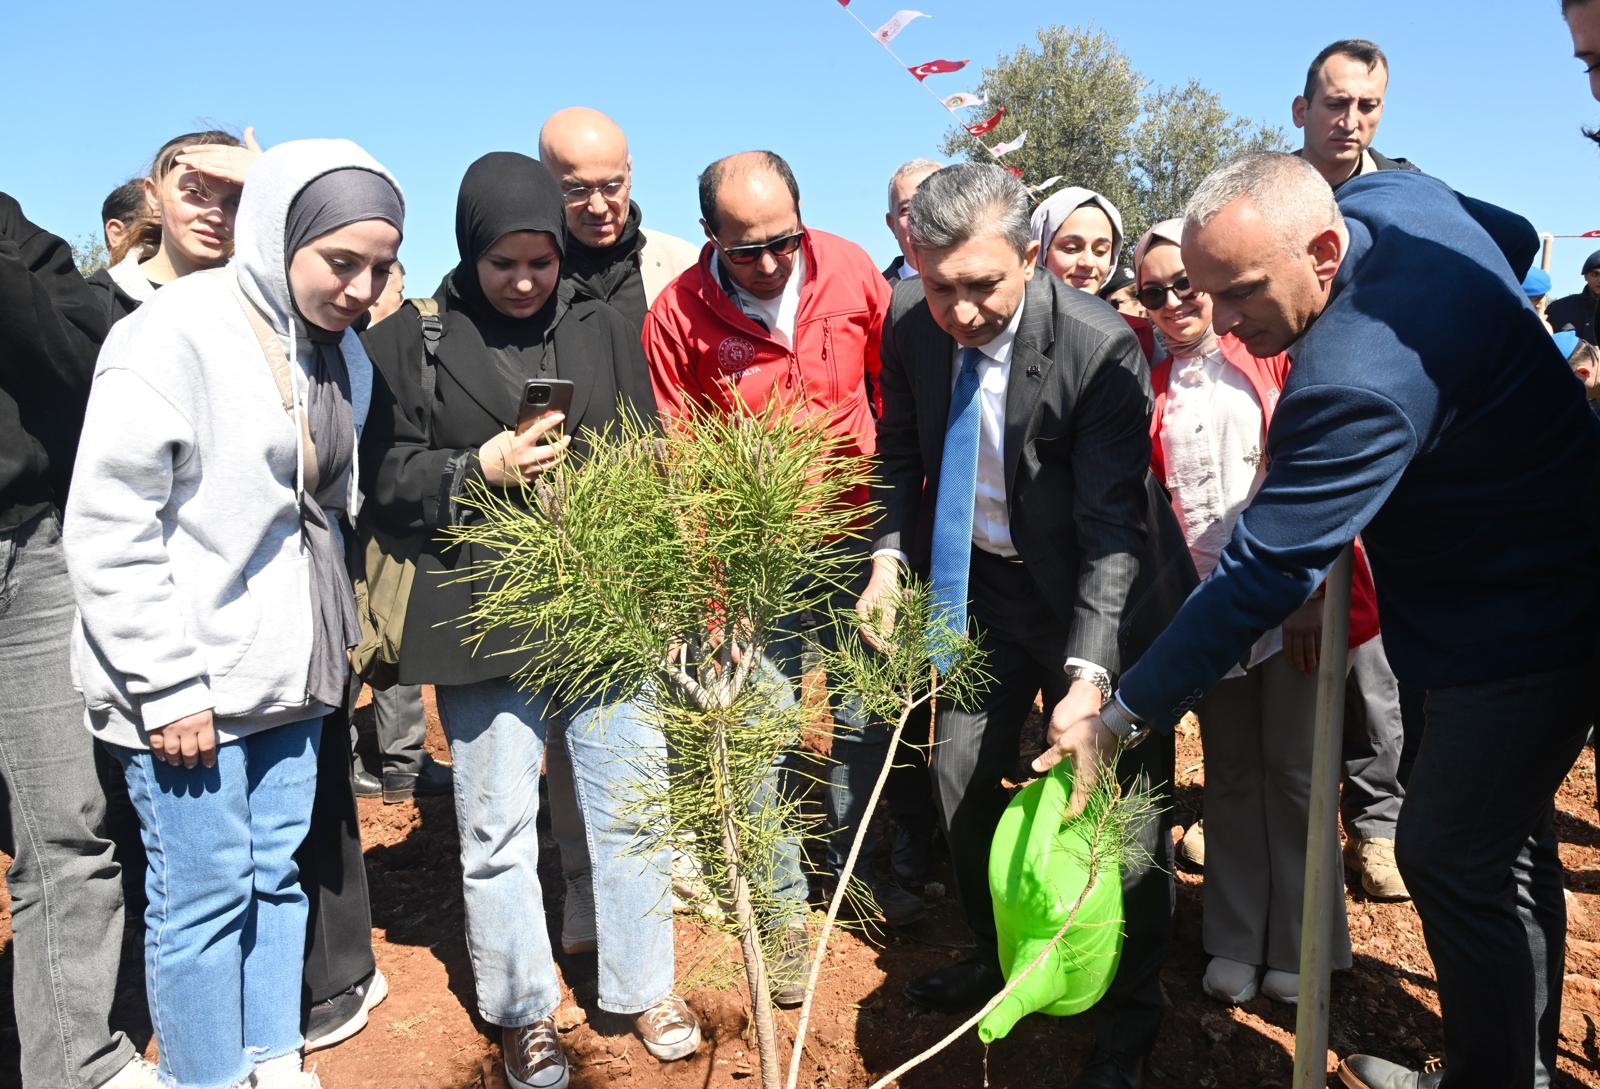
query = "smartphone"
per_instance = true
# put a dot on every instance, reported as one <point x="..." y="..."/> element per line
<point x="540" y="397"/>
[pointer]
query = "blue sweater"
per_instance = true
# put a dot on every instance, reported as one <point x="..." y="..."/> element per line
<point x="1429" y="411"/>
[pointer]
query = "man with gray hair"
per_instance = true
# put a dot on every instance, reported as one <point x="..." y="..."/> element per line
<point x="903" y="185"/>
<point x="1460" y="453"/>
<point x="1016" y="417"/>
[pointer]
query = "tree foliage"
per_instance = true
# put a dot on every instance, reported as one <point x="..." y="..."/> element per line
<point x="1095" y="120"/>
<point x="89" y="251"/>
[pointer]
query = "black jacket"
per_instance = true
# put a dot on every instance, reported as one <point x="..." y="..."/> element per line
<point x="414" y="475"/>
<point x="1575" y="312"/>
<point x="117" y="303"/>
<point x="51" y="327"/>
<point x="1093" y="527"/>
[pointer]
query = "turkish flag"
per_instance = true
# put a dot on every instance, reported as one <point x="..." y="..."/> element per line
<point x="984" y="126"/>
<point x="1590" y="234"/>
<point x="1014" y="171"/>
<point x="936" y="68"/>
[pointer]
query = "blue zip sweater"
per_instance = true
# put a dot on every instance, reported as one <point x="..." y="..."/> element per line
<point x="1429" y="411"/>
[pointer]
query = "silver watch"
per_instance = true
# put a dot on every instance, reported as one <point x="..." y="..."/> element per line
<point x="1128" y="730"/>
<point x="1097" y="677"/>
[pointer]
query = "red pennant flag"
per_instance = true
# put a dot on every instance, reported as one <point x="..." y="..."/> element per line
<point x="844" y="3"/>
<point x="1591" y="234"/>
<point x="936" y="68"/>
<point x="1014" y="171"/>
<point x="984" y="126"/>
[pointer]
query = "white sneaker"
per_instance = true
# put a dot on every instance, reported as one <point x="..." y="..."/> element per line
<point x="577" y="915"/>
<point x="284" y="1072"/>
<point x="138" y="1074"/>
<point x="1230" y="981"/>
<point x="1281" y="986"/>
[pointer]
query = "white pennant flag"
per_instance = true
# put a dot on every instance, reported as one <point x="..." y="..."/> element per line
<point x="897" y="22"/>
<point x="1046" y="184"/>
<point x="1009" y="146"/>
<point x="963" y="99"/>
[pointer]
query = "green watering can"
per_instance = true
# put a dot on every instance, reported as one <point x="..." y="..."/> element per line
<point x="1037" y="870"/>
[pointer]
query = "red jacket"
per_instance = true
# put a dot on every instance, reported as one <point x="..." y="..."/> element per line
<point x="1266" y="377"/>
<point x="704" y="350"/>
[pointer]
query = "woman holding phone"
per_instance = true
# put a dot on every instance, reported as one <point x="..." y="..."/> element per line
<point x="214" y="610"/>
<point x="506" y="320"/>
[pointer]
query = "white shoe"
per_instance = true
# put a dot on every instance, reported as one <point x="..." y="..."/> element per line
<point x="138" y="1074"/>
<point x="577" y="915"/>
<point x="1230" y="981"/>
<point x="1192" y="847"/>
<point x="668" y="1029"/>
<point x="284" y="1072"/>
<point x="1281" y="986"/>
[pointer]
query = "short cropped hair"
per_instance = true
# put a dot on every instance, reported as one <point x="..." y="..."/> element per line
<point x="965" y="201"/>
<point x="711" y="179"/>
<point x="1358" y="49"/>
<point x="1293" y="199"/>
<point x="125" y="202"/>
<point x="910" y="166"/>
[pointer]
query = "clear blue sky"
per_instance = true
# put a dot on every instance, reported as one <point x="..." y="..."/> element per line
<point x="1486" y="96"/>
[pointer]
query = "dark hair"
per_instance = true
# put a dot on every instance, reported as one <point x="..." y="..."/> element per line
<point x="125" y="202"/>
<point x="711" y="179"/>
<point x="146" y="233"/>
<point x="1568" y="5"/>
<point x="1359" y="49"/>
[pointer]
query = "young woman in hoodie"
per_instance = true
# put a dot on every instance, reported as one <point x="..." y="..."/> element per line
<point x="188" y="226"/>
<point x="214" y="611"/>
<point x="507" y="317"/>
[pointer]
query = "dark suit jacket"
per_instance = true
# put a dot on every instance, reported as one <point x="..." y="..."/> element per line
<point x="1095" y="530"/>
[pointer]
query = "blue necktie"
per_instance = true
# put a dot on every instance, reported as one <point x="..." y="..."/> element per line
<point x="952" y="512"/>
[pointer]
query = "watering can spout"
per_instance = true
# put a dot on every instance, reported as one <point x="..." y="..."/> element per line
<point x="1030" y="997"/>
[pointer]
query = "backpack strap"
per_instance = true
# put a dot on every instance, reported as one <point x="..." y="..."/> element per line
<point x="283" y="376"/>
<point x="432" y="332"/>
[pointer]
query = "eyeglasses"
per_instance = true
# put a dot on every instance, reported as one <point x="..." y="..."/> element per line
<point x="778" y="247"/>
<point x="1154" y="296"/>
<point x="581" y="194"/>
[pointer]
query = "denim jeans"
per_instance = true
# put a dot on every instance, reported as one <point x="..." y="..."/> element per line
<point x="66" y="897"/>
<point x="1477" y="847"/>
<point x="225" y="929"/>
<point x="497" y="742"/>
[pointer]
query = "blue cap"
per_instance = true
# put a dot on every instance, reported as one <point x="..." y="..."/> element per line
<point x="1536" y="283"/>
<point x="1567" y="341"/>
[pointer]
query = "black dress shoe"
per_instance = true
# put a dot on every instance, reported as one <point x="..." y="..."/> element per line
<point x="432" y="781"/>
<point x="367" y="784"/>
<point x="1370" y="1072"/>
<point x="958" y="987"/>
<point x="1112" y="1070"/>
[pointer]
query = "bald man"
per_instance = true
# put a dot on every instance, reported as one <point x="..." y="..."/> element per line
<point x="775" y="311"/>
<point x="610" y="256"/>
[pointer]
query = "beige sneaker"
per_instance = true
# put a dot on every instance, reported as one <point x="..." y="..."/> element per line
<point x="668" y="1029"/>
<point x="284" y="1073"/>
<point x="1192" y="847"/>
<point x="534" y="1057"/>
<point x="1373" y="861"/>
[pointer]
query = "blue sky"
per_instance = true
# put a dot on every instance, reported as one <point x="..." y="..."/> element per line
<point x="1489" y="101"/>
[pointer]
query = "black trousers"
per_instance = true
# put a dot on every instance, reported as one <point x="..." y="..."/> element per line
<point x="977" y="746"/>
<point x="333" y="873"/>
<point x="1477" y="847"/>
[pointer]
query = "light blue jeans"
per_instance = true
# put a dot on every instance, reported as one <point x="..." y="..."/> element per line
<point x="497" y="739"/>
<point x="225" y="929"/>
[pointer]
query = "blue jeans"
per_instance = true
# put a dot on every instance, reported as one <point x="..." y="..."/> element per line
<point x="225" y="930"/>
<point x="497" y="741"/>
<point x="66" y="899"/>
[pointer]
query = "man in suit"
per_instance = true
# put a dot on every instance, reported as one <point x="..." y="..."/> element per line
<point x="1016" y="423"/>
<point x="903" y="185"/>
<point x="1465" y="457"/>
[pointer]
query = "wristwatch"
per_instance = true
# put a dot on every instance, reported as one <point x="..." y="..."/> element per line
<point x="1097" y="677"/>
<point x="1121" y="722"/>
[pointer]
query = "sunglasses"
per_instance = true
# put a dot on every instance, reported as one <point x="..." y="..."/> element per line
<point x="1154" y="296"/>
<point x="778" y="247"/>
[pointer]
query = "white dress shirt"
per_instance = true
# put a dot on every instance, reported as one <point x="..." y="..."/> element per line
<point x="991" y="519"/>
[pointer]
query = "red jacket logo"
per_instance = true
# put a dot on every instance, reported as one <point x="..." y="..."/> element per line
<point x="735" y="354"/>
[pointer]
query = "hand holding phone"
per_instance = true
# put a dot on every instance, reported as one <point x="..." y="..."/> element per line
<point x="542" y="397"/>
<point x="513" y="457"/>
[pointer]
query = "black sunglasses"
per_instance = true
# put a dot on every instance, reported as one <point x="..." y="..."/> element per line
<point x="778" y="247"/>
<point x="1154" y="296"/>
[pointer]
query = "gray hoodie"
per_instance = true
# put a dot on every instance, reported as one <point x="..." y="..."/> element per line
<point x="183" y="526"/>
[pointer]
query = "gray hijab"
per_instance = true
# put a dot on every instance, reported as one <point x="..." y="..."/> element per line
<point x="1054" y="211"/>
<point x="334" y="200"/>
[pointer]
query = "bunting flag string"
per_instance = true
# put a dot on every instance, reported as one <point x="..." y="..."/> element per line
<point x="886" y="33"/>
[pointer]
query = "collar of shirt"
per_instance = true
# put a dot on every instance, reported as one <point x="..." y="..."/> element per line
<point x="776" y="316"/>
<point x="906" y="271"/>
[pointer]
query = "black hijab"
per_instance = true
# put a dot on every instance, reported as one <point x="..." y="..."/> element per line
<point x="503" y="191"/>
